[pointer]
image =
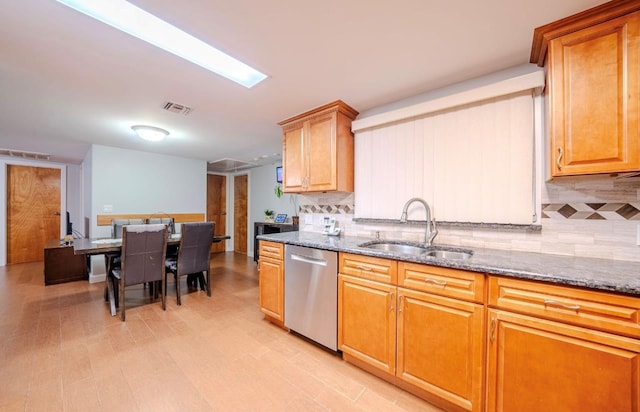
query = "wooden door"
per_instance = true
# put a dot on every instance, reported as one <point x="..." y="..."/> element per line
<point x="321" y="153"/>
<point x="294" y="170"/>
<point x="367" y="322"/>
<point x="440" y="347"/>
<point x="33" y="211"/>
<point x="539" y="365"/>
<point x="594" y="79"/>
<point x="241" y="188"/>
<point x="217" y="207"/>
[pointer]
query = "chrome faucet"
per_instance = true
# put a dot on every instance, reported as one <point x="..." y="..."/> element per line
<point x="430" y="232"/>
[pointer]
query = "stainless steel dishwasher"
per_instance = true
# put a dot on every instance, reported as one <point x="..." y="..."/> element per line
<point x="311" y="294"/>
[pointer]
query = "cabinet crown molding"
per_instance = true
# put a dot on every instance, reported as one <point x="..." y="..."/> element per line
<point x="338" y="105"/>
<point x="596" y="15"/>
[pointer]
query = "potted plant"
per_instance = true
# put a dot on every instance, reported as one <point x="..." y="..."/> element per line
<point x="268" y="215"/>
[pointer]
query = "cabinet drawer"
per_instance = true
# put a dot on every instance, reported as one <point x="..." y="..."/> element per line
<point x="271" y="249"/>
<point x="367" y="267"/>
<point x="454" y="283"/>
<point x="598" y="310"/>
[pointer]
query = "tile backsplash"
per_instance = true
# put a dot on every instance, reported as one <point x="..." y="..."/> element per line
<point x="592" y="216"/>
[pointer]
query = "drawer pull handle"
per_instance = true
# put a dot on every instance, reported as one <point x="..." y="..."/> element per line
<point x="401" y="303"/>
<point x="391" y="299"/>
<point x="561" y="305"/>
<point x="365" y="268"/>
<point x="492" y="335"/>
<point x="436" y="282"/>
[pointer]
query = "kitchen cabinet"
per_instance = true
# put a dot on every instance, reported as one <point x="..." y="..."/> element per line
<point x="367" y="322"/>
<point x="440" y="334"/>
<point x="418" y="326"/>
<point x="271" y="281"/>
<point x="317" y="150"/>
<point x="551" y="348"/>
<point x="593" y="89"/>
<point x="262" y="228"/>
<point x="367" y="311"/>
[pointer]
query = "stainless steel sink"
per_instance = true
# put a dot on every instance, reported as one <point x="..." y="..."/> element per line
<point x="448" y="254"/>
<point x="439" y="252"/>
<point x="396" y="247"/>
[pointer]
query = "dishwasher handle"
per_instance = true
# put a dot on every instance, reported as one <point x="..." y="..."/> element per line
<point x="308" y="259"/>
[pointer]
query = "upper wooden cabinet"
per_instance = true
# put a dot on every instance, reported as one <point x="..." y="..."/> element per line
<point x="317" y="150"/>
<point x="593" y="86"/>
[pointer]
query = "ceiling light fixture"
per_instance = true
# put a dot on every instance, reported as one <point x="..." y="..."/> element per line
<point x="133" y="20"/>
<point x="150" y="133"/>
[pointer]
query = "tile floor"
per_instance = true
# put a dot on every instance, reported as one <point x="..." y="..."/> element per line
<point x="61" y="351"/>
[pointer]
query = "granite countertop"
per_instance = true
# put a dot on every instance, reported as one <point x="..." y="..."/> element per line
<point x="600" y="274"/>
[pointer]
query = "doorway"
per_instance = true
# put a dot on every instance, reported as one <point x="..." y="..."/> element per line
<point x="217" y="207"/>
<point x="240" y="202"/>
<point x="33" y="211"/>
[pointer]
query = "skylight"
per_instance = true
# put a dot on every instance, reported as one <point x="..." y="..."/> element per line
<point x="133" y="20"/>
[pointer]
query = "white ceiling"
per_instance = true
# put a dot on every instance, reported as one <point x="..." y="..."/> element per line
<point x="68" y="81"/>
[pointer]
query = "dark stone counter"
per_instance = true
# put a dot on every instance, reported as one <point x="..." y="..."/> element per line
<point x="600" y="274"/>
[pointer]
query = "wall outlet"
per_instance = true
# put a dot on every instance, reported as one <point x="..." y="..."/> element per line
<point x="308" y="219"/>
<point x="107" y="208"/>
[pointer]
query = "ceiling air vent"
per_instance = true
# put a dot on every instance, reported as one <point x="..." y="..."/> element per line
<point x="24" y="155"/>
<point x="177" y="108"/>
<point x="229" y="165"/>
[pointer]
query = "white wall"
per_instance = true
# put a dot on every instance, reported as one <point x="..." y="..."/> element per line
<point x="75" y="190"/>
<point x="129" y="181"/>
<point x="262" y="182"/>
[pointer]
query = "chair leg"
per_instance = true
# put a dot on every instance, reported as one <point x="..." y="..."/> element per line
<point x="178" y="289"/>
<point x="163" y="289"/>
<point x="122" y="304"/>
<point x="208" y="283"/>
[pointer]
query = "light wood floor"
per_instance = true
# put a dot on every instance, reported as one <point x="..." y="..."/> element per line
<point x="61" y="351"/>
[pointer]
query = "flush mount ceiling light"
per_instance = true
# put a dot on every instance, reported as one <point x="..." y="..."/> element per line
<point x="153" y="134"/>
<point x="133" y="20"/>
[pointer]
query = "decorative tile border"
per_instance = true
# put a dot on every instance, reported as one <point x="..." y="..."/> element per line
<point x="332" y="209"/>
<point x="591" y="211"/>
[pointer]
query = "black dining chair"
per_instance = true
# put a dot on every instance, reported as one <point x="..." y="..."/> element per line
<point x="194" y="254"/>
<point x="144" y="249"/>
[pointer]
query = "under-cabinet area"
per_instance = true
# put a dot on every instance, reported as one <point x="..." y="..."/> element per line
<point x="471" y="340"/>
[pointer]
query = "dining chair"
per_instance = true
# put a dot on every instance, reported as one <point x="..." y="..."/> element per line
<point x="194" y="254"/>
<point x="169" y="221"/>
<point x="144" y="249"/>
<point x="112" y="259"/>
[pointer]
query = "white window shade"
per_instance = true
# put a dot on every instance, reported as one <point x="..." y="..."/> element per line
<point x="472" y="163"/>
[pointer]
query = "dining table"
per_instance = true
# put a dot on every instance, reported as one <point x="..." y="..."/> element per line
<point x="112" y="247"/>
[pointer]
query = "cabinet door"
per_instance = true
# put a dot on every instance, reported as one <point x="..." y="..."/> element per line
<point x="294" y="170"/>
<point x="321" y="153"/>
<point x="367" y="322"/>
<point x="272" y="287"/>
<point x="440" y="347"/>
<point x="593" y="90"/>
<point x="539" y="365"/>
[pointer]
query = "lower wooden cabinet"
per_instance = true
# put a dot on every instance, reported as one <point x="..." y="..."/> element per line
<point x="271" y="280"/>
<point x="440" y="347"/>
<point x="62" y="265"/>
<point x="367" y="322"/>
<point x="541" y="365"/>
